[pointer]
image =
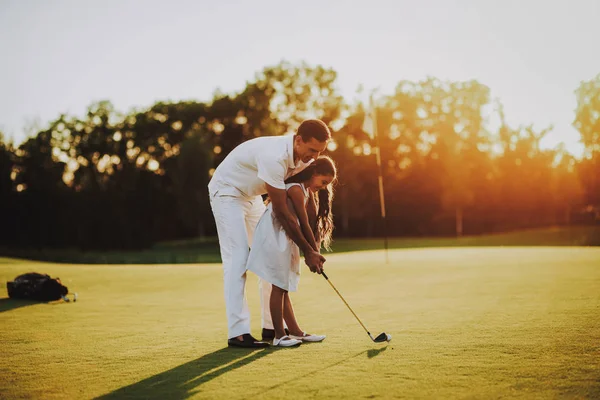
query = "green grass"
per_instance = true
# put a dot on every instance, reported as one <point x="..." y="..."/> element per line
<point x="519" y="322"/>
<point x="206" y="250"/>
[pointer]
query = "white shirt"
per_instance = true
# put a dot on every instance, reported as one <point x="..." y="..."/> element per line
<point x="253" y="164"/>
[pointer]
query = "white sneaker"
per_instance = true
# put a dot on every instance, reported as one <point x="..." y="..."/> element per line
<point x="309" y="338"/>
<point x="286" y="341"/>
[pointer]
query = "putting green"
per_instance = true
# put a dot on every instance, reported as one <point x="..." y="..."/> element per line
<point x="466" y="322"/>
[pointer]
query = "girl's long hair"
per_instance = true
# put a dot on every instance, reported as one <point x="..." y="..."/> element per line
<point x="321" y="166"/>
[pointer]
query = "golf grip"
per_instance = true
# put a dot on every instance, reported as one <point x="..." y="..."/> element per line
<point x="347" y="305"/>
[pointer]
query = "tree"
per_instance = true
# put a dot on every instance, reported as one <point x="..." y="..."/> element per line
<point x="587" y="122"/>
<point x="566" y="185"/>
<point x="113" y="180"/>
<point x="525" y="172"/>
<point x="299" y="92"/>
<point x="7" y="174"/>
<point x="587" y="114"/>
<point x="442" y="121"/>
<point x="7" y="157"/>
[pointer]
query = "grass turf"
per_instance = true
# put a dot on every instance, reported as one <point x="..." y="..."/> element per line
<point x="206" y="250"/>
<point x="466" y="322"/>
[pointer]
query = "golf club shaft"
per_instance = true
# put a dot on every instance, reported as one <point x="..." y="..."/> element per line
<point x="347" y="305"/>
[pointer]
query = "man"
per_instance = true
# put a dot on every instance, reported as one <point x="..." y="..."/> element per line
<point x="253" y="168"/>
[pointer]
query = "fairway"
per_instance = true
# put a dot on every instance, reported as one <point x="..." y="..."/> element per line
<point x="475" y="322"/>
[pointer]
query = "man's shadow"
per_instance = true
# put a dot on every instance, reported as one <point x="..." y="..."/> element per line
<point x="184" y="380"/>
<point x="7" y="304"/>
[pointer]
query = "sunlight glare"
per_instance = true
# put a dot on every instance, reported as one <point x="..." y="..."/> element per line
<point x="83" y="161"/>
<point x="68" y="178"/>
<point x="176" y="126"/>
<point x="366" y="149"/>
<point x="141" y="160"/>
<point x="218" y="127"/>
<point x="72" y="165"/>
<point x="394" y="132"/>
<point x="153" y="165"/>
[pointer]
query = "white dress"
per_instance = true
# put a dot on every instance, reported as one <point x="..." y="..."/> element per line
<point x="274" y="256"/>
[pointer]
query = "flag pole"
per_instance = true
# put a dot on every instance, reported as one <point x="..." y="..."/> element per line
<point x="380" y="178"/>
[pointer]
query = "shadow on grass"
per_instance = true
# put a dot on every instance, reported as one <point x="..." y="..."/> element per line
<point x="370" y="354"/>
<point x="7" y="304"/>
<point x="184" y="381"/>
<point x="375" y="352"/>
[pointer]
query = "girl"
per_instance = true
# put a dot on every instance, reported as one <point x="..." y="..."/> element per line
<point x="276" y="258"/>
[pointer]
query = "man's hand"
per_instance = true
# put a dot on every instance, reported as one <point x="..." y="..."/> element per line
<point x="315" y="261"/>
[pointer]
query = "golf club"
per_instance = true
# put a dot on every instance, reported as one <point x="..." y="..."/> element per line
<point x="382" y="337"/>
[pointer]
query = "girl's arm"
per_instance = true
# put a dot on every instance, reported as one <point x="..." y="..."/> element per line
<point x="311" y="210"/>
<point x="296" y="194"/>
<point x="292" y="229"/>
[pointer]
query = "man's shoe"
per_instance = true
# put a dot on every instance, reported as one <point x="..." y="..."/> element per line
<point x="269" y="334"/>
<point x="247" y="342"/>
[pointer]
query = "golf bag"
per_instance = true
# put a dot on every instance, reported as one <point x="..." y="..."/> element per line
<point x="39" y="287"/>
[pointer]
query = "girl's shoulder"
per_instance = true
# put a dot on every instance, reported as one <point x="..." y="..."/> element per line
<point x="290" y="185"/>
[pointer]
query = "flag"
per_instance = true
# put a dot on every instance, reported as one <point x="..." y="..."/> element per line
<point x="370" y="128"/>
<point x="369" y="121"/>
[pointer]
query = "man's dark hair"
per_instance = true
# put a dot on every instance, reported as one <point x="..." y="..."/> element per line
<point x="314" y="128"/>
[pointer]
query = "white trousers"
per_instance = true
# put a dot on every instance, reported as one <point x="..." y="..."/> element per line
<point x="236" y="218"/>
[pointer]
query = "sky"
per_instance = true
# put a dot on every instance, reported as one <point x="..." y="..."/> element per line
<point x="59" y="56"/>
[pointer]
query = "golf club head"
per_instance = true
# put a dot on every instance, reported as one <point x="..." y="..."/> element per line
<point x="382" y="337"/>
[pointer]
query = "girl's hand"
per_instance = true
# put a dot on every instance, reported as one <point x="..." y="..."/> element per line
<point x="315" y="261"/>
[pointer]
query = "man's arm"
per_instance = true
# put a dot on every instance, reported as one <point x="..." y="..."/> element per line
<point x="311" y="211"/>
<point x="296" y="194"/>
<point x="290" y="225"/>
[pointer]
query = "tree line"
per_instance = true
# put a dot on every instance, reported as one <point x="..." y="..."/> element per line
<point x="125" y="181"/>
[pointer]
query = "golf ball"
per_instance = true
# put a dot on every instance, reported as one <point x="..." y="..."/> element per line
<point x="389" y="337"/>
